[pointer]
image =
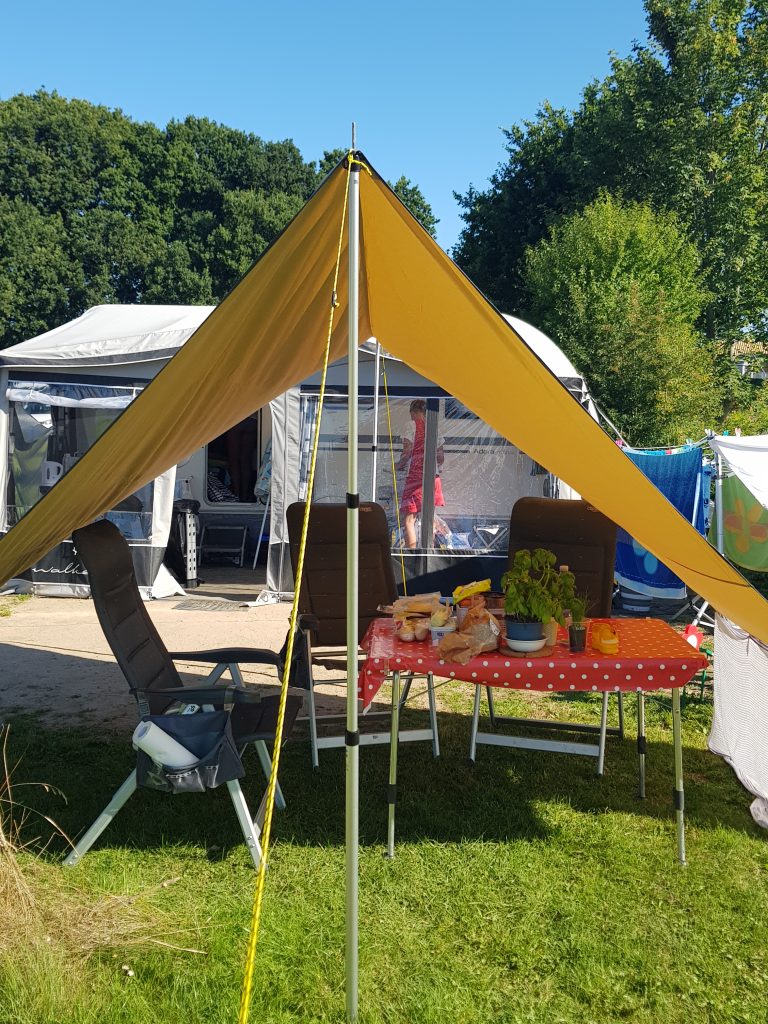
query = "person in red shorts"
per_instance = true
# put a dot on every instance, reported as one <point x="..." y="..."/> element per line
<point x="413" y="457"/>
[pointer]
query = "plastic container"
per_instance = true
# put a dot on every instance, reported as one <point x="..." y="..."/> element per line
<point x="438" y="632"/>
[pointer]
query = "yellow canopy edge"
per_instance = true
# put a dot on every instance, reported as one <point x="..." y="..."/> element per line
<point x="270" y="333"/>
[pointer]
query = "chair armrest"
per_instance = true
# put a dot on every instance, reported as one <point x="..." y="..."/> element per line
<point x="209" y="694"/>
<point x="230" y="656"/>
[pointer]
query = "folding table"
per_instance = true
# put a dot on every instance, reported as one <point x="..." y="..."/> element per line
<point x="652" y="656"/>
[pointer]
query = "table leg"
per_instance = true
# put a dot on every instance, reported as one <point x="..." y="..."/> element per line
<point x="620" y="695"/>
<point x="392" y="789"/>
<point x="641" y="745"/>
<point x="678" y="798"/>
<point x="475" y="723"/>
<point x="433" y="714"/>
<point x="491" y="711"/>
<point x="406" y="689"/>
<point x="603" y="731"/>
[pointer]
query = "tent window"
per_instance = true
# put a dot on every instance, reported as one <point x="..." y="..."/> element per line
<point x="232" y="463"/>
<point x="478" y="475"/>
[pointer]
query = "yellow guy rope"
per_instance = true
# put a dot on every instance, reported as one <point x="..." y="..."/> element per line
<point x="246" y="991"/>
<point x="394" y="472"/>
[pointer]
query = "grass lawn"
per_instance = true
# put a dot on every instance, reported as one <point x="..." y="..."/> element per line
<point x="524" y="889"/>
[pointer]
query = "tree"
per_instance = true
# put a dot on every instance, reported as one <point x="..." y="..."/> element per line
<point x="95" y="207"/>
<point x="681" y="124"/>
<point x="617" y="286"/>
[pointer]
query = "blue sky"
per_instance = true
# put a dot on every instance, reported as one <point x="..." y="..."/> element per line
<point x="429" y="84"/>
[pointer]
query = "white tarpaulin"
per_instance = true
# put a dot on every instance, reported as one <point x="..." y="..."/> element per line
<point x="740" y="724"/>
<point x="747" y="457"/>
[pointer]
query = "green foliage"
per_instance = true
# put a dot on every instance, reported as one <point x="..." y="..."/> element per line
<point x="95" y="207"/>
<point x="617" y="287"/>
<point x="751" y="417"/>
<point x="534" y="591"/>
<point x="578" y="608"/>
<point x="680" y="124"/>
<point x="413" y="198"/>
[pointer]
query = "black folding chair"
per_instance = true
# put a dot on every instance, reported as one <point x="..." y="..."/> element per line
<point x="216" y="723"/>
<point x="322" y="604"/>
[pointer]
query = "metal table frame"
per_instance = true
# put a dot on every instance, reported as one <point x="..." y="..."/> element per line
<point x="532" y="743"/>
<point x="678" y="797"/>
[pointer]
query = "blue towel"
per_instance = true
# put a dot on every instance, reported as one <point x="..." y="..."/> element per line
<point x="681" y="479"/>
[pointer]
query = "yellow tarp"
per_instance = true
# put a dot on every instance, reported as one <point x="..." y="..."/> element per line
<point x="269" y="334"/>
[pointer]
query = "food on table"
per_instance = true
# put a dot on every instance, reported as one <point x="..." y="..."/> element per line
<point x="406" y="633"/>
<point x="420" y="628"/>
<point x="482" y="628"/>
<point x="469" y="589"/>
<point x="604" y="638"/>
<point x="440" y="615"/>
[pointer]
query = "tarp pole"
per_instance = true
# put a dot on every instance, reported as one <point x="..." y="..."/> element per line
<point x="353" y="502"/>
<point x="375" y="442"/>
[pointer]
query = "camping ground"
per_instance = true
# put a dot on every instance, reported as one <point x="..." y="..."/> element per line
<point x="524" y="889"/>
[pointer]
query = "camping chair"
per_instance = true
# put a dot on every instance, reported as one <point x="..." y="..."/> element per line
<point x="163" y="698"/>
<point x="585" y="540"/>
<point x="322" y="604"/>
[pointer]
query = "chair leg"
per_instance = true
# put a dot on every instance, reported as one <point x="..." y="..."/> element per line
<point x="83" y="845"/>
<point x="266" y="766"/>
<point x="433" y="714"/>
<point x="250" y="828"/>
<point x="313" y="724"/>
<point x="491" y="709"/>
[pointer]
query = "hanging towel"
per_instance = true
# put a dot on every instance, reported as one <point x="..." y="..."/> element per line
<point x="679" y="475"/>
<point x="748" y="459"/>
<point x="745" y="527"/>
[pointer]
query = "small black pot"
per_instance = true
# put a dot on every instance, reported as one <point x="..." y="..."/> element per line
<point x="577" y="636"/>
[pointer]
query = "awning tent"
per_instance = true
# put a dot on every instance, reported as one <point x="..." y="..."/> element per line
<point x="269" y="333"/>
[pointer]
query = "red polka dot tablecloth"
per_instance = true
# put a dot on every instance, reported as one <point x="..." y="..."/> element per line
<point x="652" y="656"/>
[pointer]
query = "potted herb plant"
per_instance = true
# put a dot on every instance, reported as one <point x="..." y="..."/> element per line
<point x="577" y="631"/>
<point x="533" y="594"/>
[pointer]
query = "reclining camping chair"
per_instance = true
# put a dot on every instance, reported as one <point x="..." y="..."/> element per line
<point x="164" y="699"/>
<point x="322" y="603"/>
<point x="585" y="540"/>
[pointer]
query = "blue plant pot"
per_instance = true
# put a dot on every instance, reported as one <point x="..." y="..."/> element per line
<point x="524" y="630"/>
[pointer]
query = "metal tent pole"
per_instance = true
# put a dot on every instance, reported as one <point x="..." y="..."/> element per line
<point x="353" y="502"/>
<point x="375" y="442"/>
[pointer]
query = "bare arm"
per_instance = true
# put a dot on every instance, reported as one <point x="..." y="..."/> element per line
<point x="405" y="458"/>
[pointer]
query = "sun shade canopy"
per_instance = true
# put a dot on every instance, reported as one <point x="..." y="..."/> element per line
<point x="269" y="334"/>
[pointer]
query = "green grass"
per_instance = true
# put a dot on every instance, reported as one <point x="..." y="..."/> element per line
<point x="524" y="889"/>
